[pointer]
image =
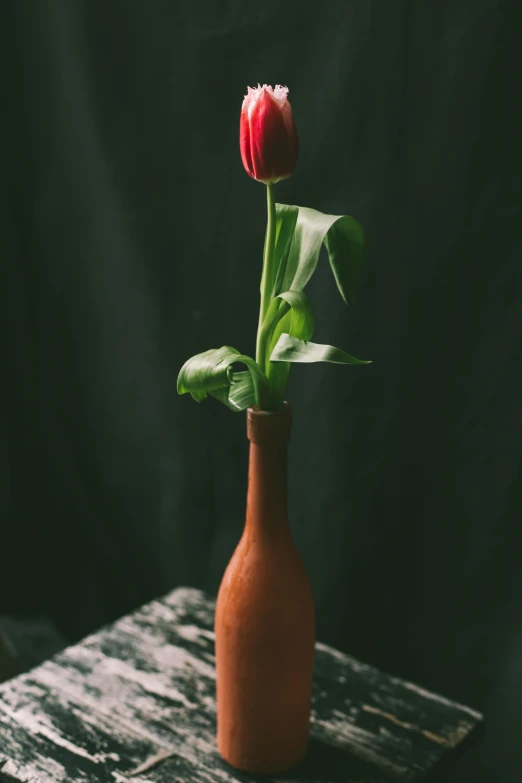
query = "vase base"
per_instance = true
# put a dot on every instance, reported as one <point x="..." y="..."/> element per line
<point x="260" y="766"/>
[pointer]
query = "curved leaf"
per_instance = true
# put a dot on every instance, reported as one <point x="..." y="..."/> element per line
<point x="211" y="372"/>
<point x="343" y="238"/>
<point x="240" y="395"/>
<point x="198" y="395"/>
<point x="346" y="250"/>
<point x="206" y="371"/>
<point x="291" y="349"/>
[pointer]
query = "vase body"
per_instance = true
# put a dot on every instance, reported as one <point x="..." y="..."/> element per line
<point x="265" y="620"/>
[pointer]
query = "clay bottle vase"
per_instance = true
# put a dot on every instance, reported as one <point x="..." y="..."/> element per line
<point x="265" y="619"/>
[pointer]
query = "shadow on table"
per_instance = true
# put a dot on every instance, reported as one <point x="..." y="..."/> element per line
<point x="331" y="764"/>
<point x="326" y="764"/>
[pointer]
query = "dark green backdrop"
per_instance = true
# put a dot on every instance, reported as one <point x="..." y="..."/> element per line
<point x="132" y="239"/>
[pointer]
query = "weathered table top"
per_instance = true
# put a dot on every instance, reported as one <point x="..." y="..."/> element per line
<point x="135" y="702"/>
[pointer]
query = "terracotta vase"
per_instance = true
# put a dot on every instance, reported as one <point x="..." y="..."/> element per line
<point x="265" y="619"/>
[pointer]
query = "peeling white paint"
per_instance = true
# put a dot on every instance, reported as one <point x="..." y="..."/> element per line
<point x="362" y="743"/>
<point x="47" y="771"/>
<point x="38" y="725"/>
<point x="194" y="634"/>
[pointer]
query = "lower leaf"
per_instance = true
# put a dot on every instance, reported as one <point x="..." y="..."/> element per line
<point x="240" y="395"/>
<point x="211" y="372"/>
<point x="291" y="349"/>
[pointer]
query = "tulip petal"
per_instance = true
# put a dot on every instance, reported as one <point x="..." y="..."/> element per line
<point x="244" y="143"/>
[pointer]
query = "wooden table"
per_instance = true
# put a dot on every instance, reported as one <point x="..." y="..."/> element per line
<point x="135" y="702"/>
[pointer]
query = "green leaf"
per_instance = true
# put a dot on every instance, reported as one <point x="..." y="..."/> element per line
<point x="286" y="218"/>
<point x="346" y="250"/>
<point x="291" y="349"/>
<point x="288" y="312"/>
<point x="211" y="372"/>
<point x="344" y="241"/>
<point x="300" y="316"/>
<point x="206" y="371"/>
<point x="198" y="395"/>
<point x="240" y="395"/>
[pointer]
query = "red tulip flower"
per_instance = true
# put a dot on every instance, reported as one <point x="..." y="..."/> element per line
<point x="267" y="134"/>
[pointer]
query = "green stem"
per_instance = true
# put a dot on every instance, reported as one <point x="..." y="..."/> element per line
<point x="267" y="279"/>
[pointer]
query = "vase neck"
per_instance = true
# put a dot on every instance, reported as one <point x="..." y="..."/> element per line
<point x="267" y="500"/>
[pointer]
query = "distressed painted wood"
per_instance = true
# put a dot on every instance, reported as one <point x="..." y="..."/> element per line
<point x="135" y="703"/>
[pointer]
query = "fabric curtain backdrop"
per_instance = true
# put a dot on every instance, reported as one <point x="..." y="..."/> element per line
<point x="132" y="239"/>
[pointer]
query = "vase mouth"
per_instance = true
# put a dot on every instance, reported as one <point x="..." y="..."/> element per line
<point x="269" y="427"/>
<point x="285" y="410"/>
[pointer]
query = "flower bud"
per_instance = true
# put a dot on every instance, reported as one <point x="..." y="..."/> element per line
<point x="267" y="134"/>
